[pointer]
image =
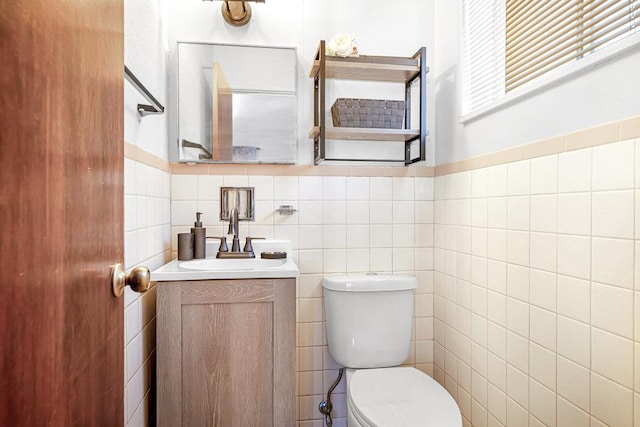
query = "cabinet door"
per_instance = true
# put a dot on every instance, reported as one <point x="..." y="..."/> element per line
<point x="226" y="353"/>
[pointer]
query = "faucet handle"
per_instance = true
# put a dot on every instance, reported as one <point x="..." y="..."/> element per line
<point x="223" y="243"/>
<point x="247" y="243"/>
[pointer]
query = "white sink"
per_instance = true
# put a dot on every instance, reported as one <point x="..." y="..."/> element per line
<point x="229" y="268"/>
<point x="216" y="264"/>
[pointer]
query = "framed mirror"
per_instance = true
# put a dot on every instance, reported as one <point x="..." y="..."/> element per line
<point x="237" y="104"/>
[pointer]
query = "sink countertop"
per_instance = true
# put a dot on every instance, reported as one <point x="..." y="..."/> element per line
<point x="172" y="271"/>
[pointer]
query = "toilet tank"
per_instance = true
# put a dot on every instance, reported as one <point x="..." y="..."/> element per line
<point x="369" y="318"/>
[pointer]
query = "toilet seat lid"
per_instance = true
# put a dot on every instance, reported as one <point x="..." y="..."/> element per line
<point x="401" y="396"/>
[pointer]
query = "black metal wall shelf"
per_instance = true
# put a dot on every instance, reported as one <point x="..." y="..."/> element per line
<point x="405" y="70"/>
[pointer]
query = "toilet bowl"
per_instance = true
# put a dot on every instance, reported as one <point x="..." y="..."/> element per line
<point x="399" y="396"/>
<point x="369" y="322"/>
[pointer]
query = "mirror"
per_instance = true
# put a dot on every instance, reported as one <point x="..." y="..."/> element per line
<point x="236" y="104"/>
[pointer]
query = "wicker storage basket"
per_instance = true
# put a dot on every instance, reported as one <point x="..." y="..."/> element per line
<point x="367" y="113"/>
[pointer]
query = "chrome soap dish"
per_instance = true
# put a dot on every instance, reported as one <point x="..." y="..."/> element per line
<point x="286" y="210"/>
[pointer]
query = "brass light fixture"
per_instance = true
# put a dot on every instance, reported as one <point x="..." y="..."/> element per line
<point x="237" y="12"/>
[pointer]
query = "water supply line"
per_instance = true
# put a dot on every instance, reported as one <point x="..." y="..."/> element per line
<point x="325" y="406"/>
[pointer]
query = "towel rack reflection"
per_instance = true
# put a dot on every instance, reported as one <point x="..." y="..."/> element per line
<point x="143" y="109"/>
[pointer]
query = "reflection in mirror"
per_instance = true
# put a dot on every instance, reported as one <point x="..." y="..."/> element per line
<point x="236" y="104"/>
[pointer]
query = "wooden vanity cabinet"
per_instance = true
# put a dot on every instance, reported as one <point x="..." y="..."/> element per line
<point x="226" y="353"/>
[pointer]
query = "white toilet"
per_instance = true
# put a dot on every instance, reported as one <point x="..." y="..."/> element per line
<point x="369" y="325"/>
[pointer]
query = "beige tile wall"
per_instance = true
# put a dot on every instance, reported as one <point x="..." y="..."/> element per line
<point x="344" y="224"/>
<point x="537" y="313"/>
<point x="147" y="242"/>
<point x="537" y="299"/>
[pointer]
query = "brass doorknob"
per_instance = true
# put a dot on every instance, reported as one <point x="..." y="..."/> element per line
<point x="138" y="279"/>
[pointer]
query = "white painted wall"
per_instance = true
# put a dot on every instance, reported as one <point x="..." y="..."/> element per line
<point x="398" y="28"/>
<point x="603" y="94"/>
<point x="145" y="48"/>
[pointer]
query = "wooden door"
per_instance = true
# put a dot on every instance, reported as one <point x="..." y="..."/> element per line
<point x="61" y="212"/>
